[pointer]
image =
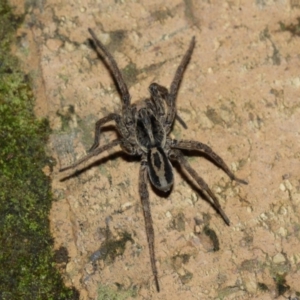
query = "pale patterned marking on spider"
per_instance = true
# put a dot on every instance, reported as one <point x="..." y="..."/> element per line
<point x="144" y="132"/>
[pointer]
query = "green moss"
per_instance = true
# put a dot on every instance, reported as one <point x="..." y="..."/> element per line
<point x="213" y="116"/>
<point x="130" y="73"/>
<point x="27" y="268"/>
<point x="178" y="261"/>
<point x="116" y="39"/>
<point x="263" y="287"/>
<point x="112" y="248"/>
<point x="228" y="291"/>
<point x="251" y="265"/>
<point x="213" y="236"/>
<point x="294" y="29"/>
<point x="161" y="15"/>
<point x="281" y="284"/>
<point x="107" y="293"/>
<point x="66" y="117"/>
<point x="178" y="222"/>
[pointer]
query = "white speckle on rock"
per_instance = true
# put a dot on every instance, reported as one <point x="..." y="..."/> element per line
<point x="296" y="81"/>
<point x="282" y="232"/>
<point x="69" y="47"/>
<point x="288" y="185"/>
<point x="194" y="197"/>
<point x="296" y="198"/>
<point x="249" y="281"/>
<point x="234" y="167"/>
<point x="89" y="268"/>
<point x="282" y="187"/>
<point x="249" y="209"/>
<point x="264" y="217"/>
<point x="168" y="215"/>
<point x="283" y="210"/>
<point x="278" y="258"/>
<point x="126" y="205"/>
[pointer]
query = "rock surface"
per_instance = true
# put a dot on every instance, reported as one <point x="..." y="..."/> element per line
<point x="240" y="95"/>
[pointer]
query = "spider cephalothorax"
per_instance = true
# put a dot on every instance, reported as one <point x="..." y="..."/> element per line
<point x="144" y="132"/>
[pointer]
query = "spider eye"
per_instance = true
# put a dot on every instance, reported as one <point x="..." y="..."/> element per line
<point x="160" y="169"/>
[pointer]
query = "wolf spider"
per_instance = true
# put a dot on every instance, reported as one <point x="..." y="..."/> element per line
<point x="145" y="133"/>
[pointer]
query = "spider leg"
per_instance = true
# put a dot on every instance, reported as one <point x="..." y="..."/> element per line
<point x="178" y="156"/>
<point x="175" y="85"/>
<point x="158" y="95"/>
<point x="144" y="194"/>
<point x="114" y="69"/>
<point x="193" y="145"/>
<point x="92" y="153"/>
<point x="182" y="123"/>
<point x="99" y="123"/>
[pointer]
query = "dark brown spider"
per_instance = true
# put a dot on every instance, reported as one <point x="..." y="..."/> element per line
<point x="144" y="132"/>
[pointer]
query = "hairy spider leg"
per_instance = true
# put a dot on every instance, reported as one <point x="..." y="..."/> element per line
<point x="171" y="103"/>
<point x="159" y="94"/>
<point x="144" y="195"/>
<point x="193" y="145"/>
<point x="111" y="117"/>
<point x="116" y="73"/>
<point x="178" y="156"/>
<point x="154" y="148"/>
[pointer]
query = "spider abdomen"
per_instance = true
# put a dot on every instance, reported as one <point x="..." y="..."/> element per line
<point x="160" y="169"/>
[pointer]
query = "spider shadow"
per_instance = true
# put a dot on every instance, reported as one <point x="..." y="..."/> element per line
<point x="129" y="158"/>
<point x="103" y="160"/>
<point x="111" y="157"/>
<point x="189" y="180"/>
